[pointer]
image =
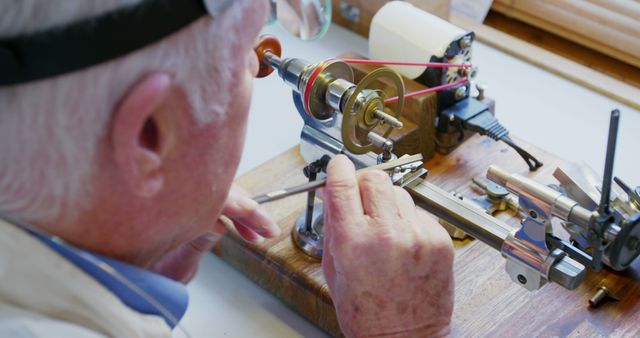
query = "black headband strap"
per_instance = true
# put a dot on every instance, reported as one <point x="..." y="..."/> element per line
<point x="92" y="41"/>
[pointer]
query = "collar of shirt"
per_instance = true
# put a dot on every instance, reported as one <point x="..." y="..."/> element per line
<point x="141" y="290"/>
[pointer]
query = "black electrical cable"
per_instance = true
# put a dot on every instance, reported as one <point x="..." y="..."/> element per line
<point x="485" y="123"/>
<point x="531" y="161"/>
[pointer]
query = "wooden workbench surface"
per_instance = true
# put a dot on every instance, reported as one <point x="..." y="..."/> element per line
<point x="487" y="302"/>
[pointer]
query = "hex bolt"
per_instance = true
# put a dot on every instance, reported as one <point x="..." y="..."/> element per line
<point x="468" y="71"/>
<point x="383" y="143"/>
<point x="481" y="89"/>
<point x="601" y="296"/>
<point x="473" y="72"/>
<point x="465" y="42"/>
<point x="460" y="93"/>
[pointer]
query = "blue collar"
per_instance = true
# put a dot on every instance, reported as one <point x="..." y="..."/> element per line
<point x="170" y="294"/>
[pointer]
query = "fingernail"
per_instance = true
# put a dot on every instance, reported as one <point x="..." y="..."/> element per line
<point x="258" y="240"/>
<point x="274" y="230"/>
<point x="272" y="227"/>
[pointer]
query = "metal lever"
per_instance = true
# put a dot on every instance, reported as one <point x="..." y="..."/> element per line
<point x="282" y="193"/>
<point x="497" y="198"/>
<point x="599" y="225"/>
<point x="634" y="195"/>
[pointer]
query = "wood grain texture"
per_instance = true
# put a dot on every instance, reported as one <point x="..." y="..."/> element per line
<point x="556" y="44"/>
<point x="630" y="8"/>
<point x="609" y="30"/>
<point x="487" y="302"/>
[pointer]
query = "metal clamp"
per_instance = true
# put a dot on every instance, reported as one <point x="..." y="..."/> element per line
<point x="531" y="263"/>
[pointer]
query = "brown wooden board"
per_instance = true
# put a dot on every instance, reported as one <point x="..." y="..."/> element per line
<point x="597" y="24"/>
<point x="487" y="302"/>
<point x="558" y="45"/>
<point x="356" y="15"/>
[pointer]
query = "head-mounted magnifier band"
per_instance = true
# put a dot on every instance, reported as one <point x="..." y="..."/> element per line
<point x="95" y="40"/>
<point x="99" y="39"/>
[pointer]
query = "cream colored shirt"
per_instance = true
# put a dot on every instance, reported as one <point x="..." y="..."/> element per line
<point x="44" y="295"/>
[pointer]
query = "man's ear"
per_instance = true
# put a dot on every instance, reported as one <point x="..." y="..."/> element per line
<point x="137" y="134"/>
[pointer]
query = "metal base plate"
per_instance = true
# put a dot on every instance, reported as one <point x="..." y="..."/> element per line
<point x="310" y="242"/>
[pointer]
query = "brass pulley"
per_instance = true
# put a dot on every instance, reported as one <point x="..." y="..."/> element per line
<point x="365" y="111"/>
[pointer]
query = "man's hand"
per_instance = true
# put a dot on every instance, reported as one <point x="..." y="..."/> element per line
<point x="249" y="218"/>
<point x="388" y="264"/>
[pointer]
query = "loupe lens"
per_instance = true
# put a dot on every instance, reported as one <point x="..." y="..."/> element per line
<point x="306" y="19"/>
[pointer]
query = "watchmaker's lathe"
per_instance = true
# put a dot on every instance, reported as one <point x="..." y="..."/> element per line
<point x="358" y="119"/>
<point x="573" y="237"/>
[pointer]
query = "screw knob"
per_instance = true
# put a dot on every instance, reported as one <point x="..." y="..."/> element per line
<point x="266" y="43"/>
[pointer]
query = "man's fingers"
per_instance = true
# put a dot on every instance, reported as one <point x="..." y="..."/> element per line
<point x="328" y="267"/>
<point x="342" y="196"/>
<point x="378" y="196"/>
<point x="205" y="242"/>
<point x="431" y="226"/>
<point x="243" y="210"/>
<point x="406" y="206"/>
<point x="248" y="234"/>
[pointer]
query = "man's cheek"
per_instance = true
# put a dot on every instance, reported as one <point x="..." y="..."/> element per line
<point x="238" y="112"/>
<point x="254" y="17"/>
<point x="253" y="64"/>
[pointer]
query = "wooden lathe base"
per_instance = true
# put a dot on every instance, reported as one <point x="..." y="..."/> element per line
<point x="487" y="302"/>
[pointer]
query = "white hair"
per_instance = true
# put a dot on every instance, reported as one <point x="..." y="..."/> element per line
<point x="50" y="129"/>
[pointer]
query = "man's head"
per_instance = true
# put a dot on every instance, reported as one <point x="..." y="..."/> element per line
<point x="131" y="157"/>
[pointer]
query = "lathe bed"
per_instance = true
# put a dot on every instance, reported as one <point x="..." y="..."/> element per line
<point x="487" y="302"/>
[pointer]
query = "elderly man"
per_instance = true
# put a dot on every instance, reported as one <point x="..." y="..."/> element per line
<point x="117" y="159"/>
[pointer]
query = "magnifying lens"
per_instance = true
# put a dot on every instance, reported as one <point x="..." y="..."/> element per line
<point x="305" y="19"/>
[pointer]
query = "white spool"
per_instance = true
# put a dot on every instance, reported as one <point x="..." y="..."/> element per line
<point x="401" y="32"/>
